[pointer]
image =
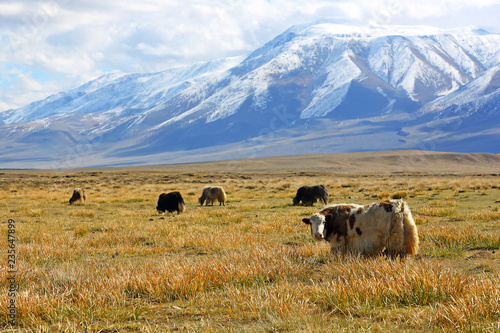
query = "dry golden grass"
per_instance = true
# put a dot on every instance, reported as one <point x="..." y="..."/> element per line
<point x="115" y="264"/>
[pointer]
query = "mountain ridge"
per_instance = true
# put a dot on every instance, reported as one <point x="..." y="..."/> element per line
<point x="365" y="90"/>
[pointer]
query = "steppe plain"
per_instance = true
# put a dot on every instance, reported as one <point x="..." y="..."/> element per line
<point x="115" y="264"/>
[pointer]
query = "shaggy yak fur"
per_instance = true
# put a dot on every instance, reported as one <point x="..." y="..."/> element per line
<point x="78" y="195"/>
<point x="381" y="227"/>
<point x="170" y="202"/>
<point x="310" y="194"/>
<point x="211" y="193"/>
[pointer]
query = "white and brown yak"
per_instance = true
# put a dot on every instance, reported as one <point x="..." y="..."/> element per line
<point x="78" y="195"/>
<point x="210" y="194"/>
<point x="381" y="227"/>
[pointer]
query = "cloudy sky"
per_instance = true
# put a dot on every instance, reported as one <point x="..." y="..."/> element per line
<point x="54" y="45"/>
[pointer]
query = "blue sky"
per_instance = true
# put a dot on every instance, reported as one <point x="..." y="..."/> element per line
<point x="55" y="45"/>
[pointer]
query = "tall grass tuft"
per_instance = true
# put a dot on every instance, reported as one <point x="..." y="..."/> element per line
<point x="361" y="285"/>
<point x="477" y="310"/>
<point x="446" y="240"/>
<point x="399" y="195"/>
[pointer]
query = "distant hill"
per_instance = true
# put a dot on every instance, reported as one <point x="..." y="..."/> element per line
<point x="316" y="88"/>
<point x="375" y="162"/>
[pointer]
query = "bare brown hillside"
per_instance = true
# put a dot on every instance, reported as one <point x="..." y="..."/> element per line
<point x="363" y="162"/>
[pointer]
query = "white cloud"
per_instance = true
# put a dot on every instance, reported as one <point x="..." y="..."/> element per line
<point x="69" y="42"/>
<point x="11" y="8"/>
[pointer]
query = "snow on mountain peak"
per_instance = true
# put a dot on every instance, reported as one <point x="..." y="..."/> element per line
<point x="350" y="29"/>
<point x="333" y="70"/>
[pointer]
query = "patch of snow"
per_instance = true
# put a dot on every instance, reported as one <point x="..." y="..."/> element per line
<point x="332" y="92"/>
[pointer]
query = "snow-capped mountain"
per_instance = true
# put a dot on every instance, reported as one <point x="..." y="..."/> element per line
<point x="322" y="87"/>
<point x="115" y="93"/>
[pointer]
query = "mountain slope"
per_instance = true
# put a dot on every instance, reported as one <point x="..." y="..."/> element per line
<point x="322" y="87"/>
<point x="469" y="118"/>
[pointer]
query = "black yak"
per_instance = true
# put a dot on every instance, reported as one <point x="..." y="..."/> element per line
<point x="310" y="194"/>
<point x="171" y="202"/>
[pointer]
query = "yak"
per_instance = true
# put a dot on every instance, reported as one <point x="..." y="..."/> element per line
<point x="211" y="193"/>
<point x="310" y="194"/>
<point x="382" y="227"/>
<point x="78" y="195"/>
<point x="171" y="202"/>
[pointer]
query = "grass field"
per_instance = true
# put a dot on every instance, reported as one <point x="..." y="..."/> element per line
<point x="115" y="264"/>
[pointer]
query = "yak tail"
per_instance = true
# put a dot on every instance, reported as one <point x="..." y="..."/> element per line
<point x="410" y="231"/>
<point x="223" y="196"/>
<point x="182" y="207"/>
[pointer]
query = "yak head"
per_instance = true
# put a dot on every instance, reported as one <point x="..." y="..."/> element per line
<point x="317" y="224"/>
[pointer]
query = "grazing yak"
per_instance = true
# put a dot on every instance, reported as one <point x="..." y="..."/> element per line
<point x="310" y="194"/>
<point x="78" y="195"/>
<point x="211" y="193"/>
<point x="171" y="202"/>
<point x="386" y="226"/>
